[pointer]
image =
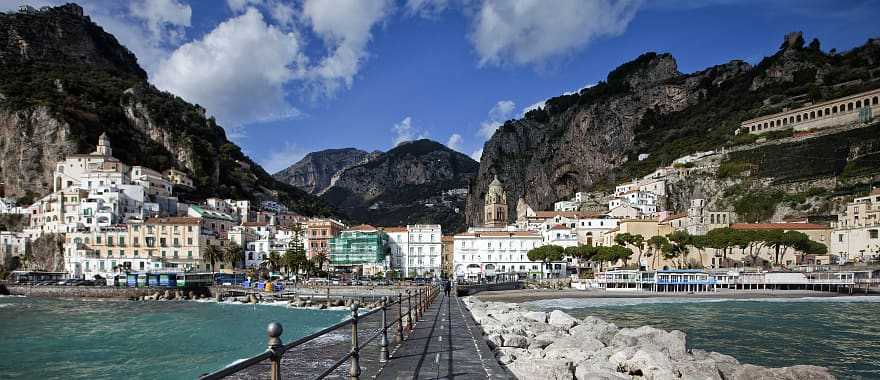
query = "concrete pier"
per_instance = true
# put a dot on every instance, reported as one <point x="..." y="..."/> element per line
<point x="445" y="344"/>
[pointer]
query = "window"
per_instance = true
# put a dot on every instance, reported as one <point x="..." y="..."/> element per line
<point x="872" y="234"/>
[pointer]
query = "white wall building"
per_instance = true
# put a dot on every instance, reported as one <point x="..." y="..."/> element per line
<point x="856" y="235"/>
<point x="416" y="250"/>
<point x="479" y="255"/>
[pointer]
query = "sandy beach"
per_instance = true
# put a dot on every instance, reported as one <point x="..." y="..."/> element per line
<point x="526" y="295"/>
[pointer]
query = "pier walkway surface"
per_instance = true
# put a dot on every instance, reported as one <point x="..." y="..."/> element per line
<point x="445" y="344"/>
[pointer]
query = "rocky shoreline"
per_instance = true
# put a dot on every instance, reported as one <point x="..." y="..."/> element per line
<point x="555" y="345"/>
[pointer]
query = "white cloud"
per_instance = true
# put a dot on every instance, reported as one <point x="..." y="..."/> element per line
<point x="166" y="20"/>
<point x="344" y="26"/>
<point x="404" y="131"/>
<point x="455" y="141"/>
<point x="500" y="112"/>
<point x="280" y="159"/>
<point x="236" y="71"/>
<point x="530" y="31"/>
<point x="241" y="5"/>
<point x="426" y="8"/>
<point x="477" y="154"/>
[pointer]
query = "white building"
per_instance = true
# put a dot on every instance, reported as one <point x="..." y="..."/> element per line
<point x="565" y="206"/>
<point x="644" y="201"/>
<point x="12" y="244"/>
<point x="416" y="250"/>
<point x="479" y="255"/>
<point x="856" y="235"/>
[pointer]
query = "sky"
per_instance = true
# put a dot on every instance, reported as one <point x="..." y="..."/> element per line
<point x="285" y="78"/>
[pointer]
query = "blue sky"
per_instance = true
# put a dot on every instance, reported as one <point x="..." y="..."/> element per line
<point x="289" y="77"/>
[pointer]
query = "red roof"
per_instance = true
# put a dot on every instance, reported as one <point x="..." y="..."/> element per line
<point x="559" y="227"/>
<point x="499" y="233"/>
<point x="875" y="191"/>
<point x="446" y="238"/>
<point x="779" y="226"/>
<point x="394" y="229"/>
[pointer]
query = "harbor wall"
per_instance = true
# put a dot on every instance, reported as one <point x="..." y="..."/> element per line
<point x="80" y="291"/>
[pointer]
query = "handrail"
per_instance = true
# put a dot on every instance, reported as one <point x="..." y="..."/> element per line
<point x="422" y="296"/>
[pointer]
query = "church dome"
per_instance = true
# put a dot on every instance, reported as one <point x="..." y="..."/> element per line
<point x="496" y="192"/>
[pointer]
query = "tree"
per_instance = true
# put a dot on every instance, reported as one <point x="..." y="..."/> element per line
<point x="721" y="239"/>
<point x="212" y="253"/>
<point x="233" y="253"/>
<point x="547" y="254"/>
<point x="656" y="243"/>
<point x="700" y="242"/>
<point x="810" y="247"/>
<point x="319" y="258"/>
<point x="793" y="239"/>
<point x="273" y="261"/>
<point x="635" y="240"/>
<point x="295" y="260"/>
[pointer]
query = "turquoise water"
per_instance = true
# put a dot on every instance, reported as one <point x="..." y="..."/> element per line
<point x="842" y="333"/>
<point x="102" y="339"/>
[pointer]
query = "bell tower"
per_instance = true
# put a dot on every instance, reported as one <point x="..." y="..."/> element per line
<point x="103" y="146"/>
<point x="495" y="205"/>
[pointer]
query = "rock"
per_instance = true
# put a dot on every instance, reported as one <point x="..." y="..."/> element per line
<point x="219" y="297"/>
<point x="494" y="341"/>
<point x="698" y="370"/>
<point x="537" y="316"/>
<point x="572" y="349"/>
<point x="519" y="341"/>
<point x="558" y="318"/>
<point x="672" y="342"/>
<point x="506" y="355"/>
<point x="588" y="372"/>
<point x="798" y="372"/>
<point x="541" y="369"/>
<point x="595" y="328"/>
<point x="650" y="363"/>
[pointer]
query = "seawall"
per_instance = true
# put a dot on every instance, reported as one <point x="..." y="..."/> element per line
<point x="80" y="291"/>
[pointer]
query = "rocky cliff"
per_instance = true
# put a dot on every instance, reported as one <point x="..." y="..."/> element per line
<point x="317" y="170"/>
<point x="591" y="139"/>
<point x="65" y="81"/>
<point x="406" y="185"/>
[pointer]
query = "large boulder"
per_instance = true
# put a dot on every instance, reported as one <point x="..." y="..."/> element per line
<point x="506" y="355"/>
<point x="698" y="370"/>
<point x="726" y="364"/>
<point x="671" y="342"/>
<point x="651" y="364"/>
<point x="798" y="372"/>
<point x="494" y="341"/>
<point x="595" y="328"/>
<point x="541" y="370"/>
<point x="537" y="316"/>
<point x="510" y="340"/>
<point x="561" y="319"/>
<point x="588" y="372"/>
<point x="572" y="349"/>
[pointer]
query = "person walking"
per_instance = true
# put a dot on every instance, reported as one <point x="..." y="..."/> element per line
<point x="446" y="287"/>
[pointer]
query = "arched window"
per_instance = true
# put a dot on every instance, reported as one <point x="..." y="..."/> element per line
<point x="858" y="104"/>
<point x="772" y="123"/>
<point x="765" y="125"/>
<point x="813" y="115"/>
<point x="875" y="100"/>
<point x="791" y="120"/>
<point x="784" y="121"/>
<point x="849" y="107"/>
<point x="753" y="128"/>
<point x="834" y="109"/>
<point x="798" y="118"/>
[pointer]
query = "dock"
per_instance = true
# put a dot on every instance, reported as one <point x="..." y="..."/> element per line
<point x="446" y="343"/>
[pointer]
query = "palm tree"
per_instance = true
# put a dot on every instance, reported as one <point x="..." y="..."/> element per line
<point x="274" y="261"/>
<point x="320" y="258"/>
<point x="212" y="254"/>
<point x="233" y="253"/>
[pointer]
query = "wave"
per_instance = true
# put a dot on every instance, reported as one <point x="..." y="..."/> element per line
<point x="12" y="296"/>
<point x="581" y="303"/>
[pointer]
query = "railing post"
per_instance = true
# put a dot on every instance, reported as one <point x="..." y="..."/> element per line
<point x="409" y="316"/>
<point x="383" y="357"/>
<point x="274" y="330"/>
<point x="355" y="371"/>
<point x="399" y="317"/>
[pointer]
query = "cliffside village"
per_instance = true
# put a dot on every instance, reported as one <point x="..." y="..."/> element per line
<point x="115" y="218"/>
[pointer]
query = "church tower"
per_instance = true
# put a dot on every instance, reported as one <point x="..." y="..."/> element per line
<point x="103" y="146"/>
<point x="495" y="206"/>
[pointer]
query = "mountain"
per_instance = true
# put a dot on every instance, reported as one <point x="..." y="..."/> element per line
<point x="593" y="139"/>
<point x="65" y="81"/>
<point x="408" y="184"/>
<point x="315" y="172"/>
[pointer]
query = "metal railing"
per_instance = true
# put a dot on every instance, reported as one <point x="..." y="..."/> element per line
<point x="423" y="296"/>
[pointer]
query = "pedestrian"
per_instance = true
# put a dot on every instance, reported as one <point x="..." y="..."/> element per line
<point x="446" y="287"/>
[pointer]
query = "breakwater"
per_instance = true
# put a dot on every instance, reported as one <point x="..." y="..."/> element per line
<point x="554" y="345"/>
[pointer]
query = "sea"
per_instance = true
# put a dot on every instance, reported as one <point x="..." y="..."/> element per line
<point x="841" y="333"/>
<point x="44" y="338"/>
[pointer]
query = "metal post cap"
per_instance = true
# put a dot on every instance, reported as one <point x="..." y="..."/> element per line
<point x="274" y="330"/>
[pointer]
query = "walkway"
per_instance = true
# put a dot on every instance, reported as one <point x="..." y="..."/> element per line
<point x="446" y="344"/>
